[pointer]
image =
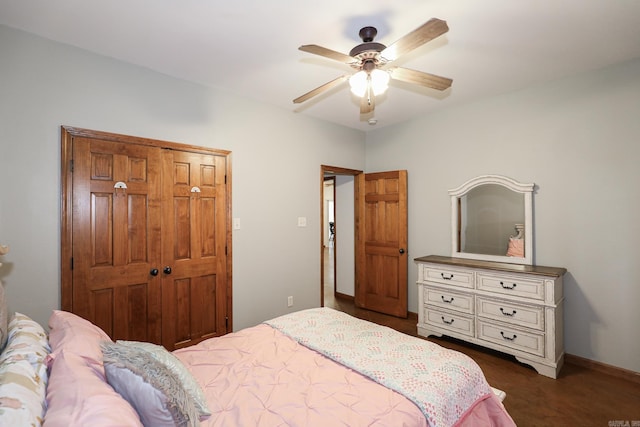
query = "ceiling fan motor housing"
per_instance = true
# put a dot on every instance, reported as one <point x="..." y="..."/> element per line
<point x="368" y="49"/>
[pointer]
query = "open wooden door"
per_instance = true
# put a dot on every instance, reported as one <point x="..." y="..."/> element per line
<point x="381" y="242"/>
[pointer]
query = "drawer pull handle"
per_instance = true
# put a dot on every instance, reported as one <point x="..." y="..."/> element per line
<point x="447" y="277"/>
<point x="448" y="301"/>
<point x="448" y="322"/>
<point x="508" y="338"/>
<point x="513" y="286"/>
<point x="507" y="314"/>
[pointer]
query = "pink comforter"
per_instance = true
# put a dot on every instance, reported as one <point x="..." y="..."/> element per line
<point x="260" y="377"/>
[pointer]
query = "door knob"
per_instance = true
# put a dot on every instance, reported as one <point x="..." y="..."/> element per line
<point x="167" y="270"/>
<point x="154" y="272"/>
<point x="401" y="251"/>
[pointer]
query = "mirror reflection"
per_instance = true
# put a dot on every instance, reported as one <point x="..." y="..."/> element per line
<point x="489" y="217"/>
<point x="492" y="220"/>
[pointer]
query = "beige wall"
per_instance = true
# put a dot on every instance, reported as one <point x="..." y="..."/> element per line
<point x="578" y="140"/>
<point x="276" y="158"/>
<point x="345" y="231"/>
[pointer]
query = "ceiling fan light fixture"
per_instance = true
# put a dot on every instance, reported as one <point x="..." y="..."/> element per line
<point x="378" y="79"/>
<point x="358" y="83"/>
<point x="371" y="61"/>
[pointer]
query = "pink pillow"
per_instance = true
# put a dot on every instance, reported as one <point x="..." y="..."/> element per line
<point x="516" y="248"/>
<point x="77" y="395"/>
<point x="73" y="334"/>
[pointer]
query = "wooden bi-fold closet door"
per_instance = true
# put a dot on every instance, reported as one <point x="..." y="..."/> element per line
<point x="145" y="242"/>
<point x="194" y="247"/>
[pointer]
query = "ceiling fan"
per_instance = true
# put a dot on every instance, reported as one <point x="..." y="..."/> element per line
<point x="372" y="61"/>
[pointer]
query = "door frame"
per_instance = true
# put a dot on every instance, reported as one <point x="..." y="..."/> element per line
<point x="335" y="170"/>
<point x="68" y="133"/>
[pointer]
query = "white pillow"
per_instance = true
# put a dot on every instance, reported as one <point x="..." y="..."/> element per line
<point x="150" y="387"/>
<point x="178" y="369"/>
<point x="26" y="339"/>
<point x="23" y="373"/>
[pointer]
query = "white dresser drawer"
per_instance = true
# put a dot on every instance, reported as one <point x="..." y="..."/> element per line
<point x="517" y="314"/>
<point x="453" y="322"/>
<point x="516" y="309"/>
<point x="448" y="276"/>
<point x="511" y="285"/>
<point x="449" y="300"/>
<point x="529" y="342"/>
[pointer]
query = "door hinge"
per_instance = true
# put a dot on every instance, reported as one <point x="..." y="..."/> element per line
<point x="226" y="323"/>
<point x="225" y="251"/>
<point x="71" y="165"/>
<point x="72" y="263"/>
<point x="225" y="178"/>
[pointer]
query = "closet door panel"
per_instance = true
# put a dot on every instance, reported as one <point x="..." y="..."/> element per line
<point x="116" y="237"/>
<point x="194" y="230"/>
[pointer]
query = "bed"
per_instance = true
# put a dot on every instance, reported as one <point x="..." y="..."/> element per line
<point x="316" y="367"/>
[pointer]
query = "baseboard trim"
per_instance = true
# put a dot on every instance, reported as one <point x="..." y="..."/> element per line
<point x="340" y="295"/>
<point x="594" y="365"/>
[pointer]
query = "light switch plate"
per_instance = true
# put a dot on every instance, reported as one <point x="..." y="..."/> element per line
<point x="302" y="221"/>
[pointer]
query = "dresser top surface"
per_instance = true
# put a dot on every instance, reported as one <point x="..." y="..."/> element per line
<point x="497" y="266"/>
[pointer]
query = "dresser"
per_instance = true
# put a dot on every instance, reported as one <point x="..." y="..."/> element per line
<point x="512" y="308"/>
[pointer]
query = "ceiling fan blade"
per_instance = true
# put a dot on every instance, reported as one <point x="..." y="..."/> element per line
<point x="327" y="53"/>
<point x="430" y="30"/>
<point x="367" y="102"/>
<point x="419" y="78"/>
<point x="320" y="89"/>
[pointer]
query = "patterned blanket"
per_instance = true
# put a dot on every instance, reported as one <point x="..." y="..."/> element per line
<point x="443" y="383"/>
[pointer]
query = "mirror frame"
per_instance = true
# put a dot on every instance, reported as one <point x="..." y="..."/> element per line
<point x="525" y="189"/>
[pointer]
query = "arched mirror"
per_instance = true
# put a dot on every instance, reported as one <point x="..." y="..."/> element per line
<point x="492" y="220"/>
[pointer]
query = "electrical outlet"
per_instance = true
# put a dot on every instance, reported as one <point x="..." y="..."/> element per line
<point x="236" y="223"/>
<point x="302" y="221"/>
<point x="289" y="301"/>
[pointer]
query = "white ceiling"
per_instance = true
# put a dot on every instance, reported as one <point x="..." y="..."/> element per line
<point x="250" y="47"/>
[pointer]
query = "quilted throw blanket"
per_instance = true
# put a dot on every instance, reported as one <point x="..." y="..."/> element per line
<point x="443" y="383"/>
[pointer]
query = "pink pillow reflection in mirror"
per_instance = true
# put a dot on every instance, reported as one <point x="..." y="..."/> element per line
<point x="516" y="248"/>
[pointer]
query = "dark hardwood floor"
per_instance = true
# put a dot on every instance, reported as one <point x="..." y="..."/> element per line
<point x="579" y="397"/>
